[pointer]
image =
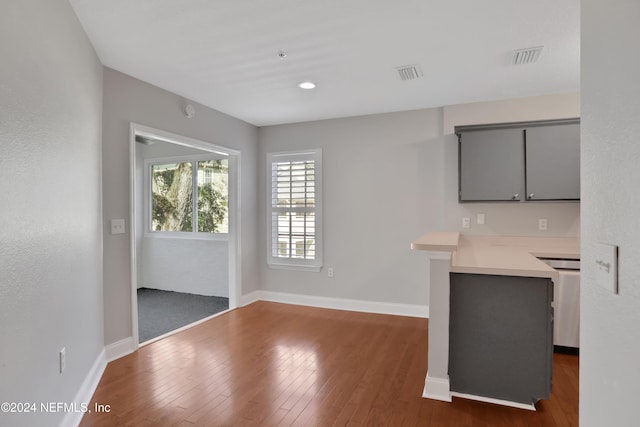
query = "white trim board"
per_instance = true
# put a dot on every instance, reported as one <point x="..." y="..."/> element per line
<point x="120" y="349"/>
<point x="409" y="310"/>
<point x="85" y="393"/>
<point x="436" y="388"/>
<point x="249" y="298"/>
<point x="529" y="407"/>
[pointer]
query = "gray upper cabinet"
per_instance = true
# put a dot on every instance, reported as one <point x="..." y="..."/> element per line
<point x="516" y="162"/>
<point x="491" y="165"/>
<point x="553" y="162"/>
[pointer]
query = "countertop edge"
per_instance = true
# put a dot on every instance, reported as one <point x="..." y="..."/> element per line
<point x="437" y="242"/>
<point x="457" y="244"/>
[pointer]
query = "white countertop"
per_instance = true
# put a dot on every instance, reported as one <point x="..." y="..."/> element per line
<point x="500" y="255"/>
<point x="437" y="241"/>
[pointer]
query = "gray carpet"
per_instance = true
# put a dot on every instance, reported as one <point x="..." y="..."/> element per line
<point x="160" y="312"/>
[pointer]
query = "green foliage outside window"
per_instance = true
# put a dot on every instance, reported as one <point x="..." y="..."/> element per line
<point x="172" y="196"/>
<point x="213" y="191"/>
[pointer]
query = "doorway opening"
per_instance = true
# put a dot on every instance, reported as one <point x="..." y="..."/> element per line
<point x="184" y="232"/>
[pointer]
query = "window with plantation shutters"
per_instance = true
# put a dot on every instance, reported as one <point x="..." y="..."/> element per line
<point x="295" y="228"/>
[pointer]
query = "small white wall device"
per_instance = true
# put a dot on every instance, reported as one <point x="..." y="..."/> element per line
<point x="189" y="111"/>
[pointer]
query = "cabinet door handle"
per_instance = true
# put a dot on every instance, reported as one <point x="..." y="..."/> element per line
<point x="531" y="196"/>
<point x="515" y="196"/>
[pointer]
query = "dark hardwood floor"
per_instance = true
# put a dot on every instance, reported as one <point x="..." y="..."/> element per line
<point x="272" y="364"/>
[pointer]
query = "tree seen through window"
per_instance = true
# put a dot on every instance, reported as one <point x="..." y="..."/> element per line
<point x="172" y="194"/>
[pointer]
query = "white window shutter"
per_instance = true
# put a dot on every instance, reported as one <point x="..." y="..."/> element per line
<point x="295" y="210"/>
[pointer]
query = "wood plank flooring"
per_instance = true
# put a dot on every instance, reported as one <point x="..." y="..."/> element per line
<point x="271" y="364"/>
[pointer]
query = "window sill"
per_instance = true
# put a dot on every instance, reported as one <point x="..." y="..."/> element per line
<point x="187" y="236"/>
<point x="311" y="268"/>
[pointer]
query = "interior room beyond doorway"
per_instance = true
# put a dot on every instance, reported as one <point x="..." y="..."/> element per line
<point x="183" y="237"/>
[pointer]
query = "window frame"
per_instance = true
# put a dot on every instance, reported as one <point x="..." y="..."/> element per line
<point x="276" y="262"/>
<point x="148" y="195"/>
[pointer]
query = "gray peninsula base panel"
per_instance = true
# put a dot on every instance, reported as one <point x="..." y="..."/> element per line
<point x="501" y="337"/>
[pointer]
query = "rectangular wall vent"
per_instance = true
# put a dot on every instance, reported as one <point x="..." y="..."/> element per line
<point x="526" y="56"/>
<point x="409" y="72"/>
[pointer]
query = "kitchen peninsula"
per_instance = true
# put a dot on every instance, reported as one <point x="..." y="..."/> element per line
<point x="490" y="316"/>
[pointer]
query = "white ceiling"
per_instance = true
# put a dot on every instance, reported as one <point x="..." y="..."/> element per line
<point x="224" y="53"/>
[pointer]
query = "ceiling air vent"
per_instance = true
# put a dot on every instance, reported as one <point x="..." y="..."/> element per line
<point x="526" y="56"/>
<point x="409" y="72"/>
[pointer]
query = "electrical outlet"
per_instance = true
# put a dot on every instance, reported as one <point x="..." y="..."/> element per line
<point x="63" y="359"/>
<point x="480" y="219"/>
<point x="330" y="272"/>
<point x="117" y="226"/>
<point x="542" y="224"/>
<point x="466" y="222"/>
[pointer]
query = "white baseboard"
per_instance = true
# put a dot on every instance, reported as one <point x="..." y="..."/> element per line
<point x="85" y="393"/>
<point x="120" y="348"/>
<point x="528" y="406"/>
<point x="409" y="310"/>
<point x="440" y="389"/>
<point x="249" y="298"/>
<point x="437" y="388"/>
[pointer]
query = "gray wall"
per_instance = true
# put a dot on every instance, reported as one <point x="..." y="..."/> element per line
<point x="382" y="187"/>
<point x="610" y="328"/>
<point x="130" y="100"/>
<point x="50" y="238"/>
<point x="390" y="178"/>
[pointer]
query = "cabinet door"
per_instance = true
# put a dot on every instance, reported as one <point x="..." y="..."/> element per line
<point x="491" y="165"/>
<point x="501" y="337"/>
<point x="553" y="162"/>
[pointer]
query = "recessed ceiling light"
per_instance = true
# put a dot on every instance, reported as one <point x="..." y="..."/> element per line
<point x="307" y="85"/>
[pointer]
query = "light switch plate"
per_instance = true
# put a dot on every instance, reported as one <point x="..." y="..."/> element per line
<point x="480" y="219"/>
<point x="117" y="226"/>
<point x="466" y="222"/>
<point x="606" y="259"/>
